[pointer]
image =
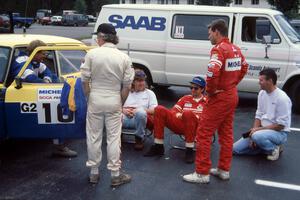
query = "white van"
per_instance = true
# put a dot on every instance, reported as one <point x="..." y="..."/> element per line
<point x="170" y="42"/>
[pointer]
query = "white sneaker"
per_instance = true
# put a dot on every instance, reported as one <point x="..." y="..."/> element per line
<point x="275" y="153"/>
<point x="196" y="178"/>
<point x="222" y="174"/>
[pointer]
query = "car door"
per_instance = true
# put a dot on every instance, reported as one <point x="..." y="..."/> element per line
<point x="250" y="30"/>
<point x="188" y="48"/>
<point x="4" y="58"/>
<point x="33" y="110"/>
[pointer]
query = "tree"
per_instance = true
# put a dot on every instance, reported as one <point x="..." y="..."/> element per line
<point x="288" y="7"/>
<point x="80" y="6"/>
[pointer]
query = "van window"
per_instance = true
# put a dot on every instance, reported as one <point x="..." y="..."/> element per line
<point x="254" y="28"/>
<point x="70" y="60"/>
<point x="193" y="27"/>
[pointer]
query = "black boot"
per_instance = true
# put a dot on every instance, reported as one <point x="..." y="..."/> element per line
<point x="139" y="144"/>
<point x="189" y="155"/>
<point x="155" y="150"/>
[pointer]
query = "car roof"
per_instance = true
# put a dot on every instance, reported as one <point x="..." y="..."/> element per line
<point x="194" y="8"/>
<point x="12" y="40"/>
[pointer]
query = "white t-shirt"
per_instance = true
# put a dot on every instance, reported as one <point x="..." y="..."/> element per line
<point x="145" y="99"/>
<point x="274" y="108"/>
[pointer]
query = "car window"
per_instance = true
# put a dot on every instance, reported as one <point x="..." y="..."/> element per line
<point x="4" y="57"/>
<point x="254" y="28"/>
<point x="193" y="27"/>
<point x="70" y="60"/>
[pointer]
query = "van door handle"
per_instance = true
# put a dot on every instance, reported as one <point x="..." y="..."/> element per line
<point x="244" y="48"/>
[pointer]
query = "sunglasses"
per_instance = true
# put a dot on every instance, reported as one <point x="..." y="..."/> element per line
<point x="194" y="88"/>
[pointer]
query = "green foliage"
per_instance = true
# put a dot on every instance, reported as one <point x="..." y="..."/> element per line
<point x="287" y="7"/>
<point x="80" y="6"/>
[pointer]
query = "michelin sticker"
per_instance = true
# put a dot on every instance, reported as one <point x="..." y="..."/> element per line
<point x="179" y="32"/>
<point x="48" y="108"/>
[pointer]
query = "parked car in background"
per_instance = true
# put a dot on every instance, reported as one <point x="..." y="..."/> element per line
<point x="4" y="23"/>
<point x="75" y="20"/>
<point x="22" y="21"/>
<point x="40" y="13"/>
<point x="56" y="20"/>
<point x="45" y="21"/>
<point x="91" y="18"/>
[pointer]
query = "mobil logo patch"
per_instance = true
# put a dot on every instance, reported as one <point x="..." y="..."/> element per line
<point x="233" y="64"/>
<point x="142" y="22"/>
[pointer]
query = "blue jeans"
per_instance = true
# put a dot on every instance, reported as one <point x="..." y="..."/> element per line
<point x="265" y="140"/>
<point x="138" y="122"/>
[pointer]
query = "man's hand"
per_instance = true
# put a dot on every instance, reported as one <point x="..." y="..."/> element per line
<point x="129" y="112"/>
<point x="253" y="130"/>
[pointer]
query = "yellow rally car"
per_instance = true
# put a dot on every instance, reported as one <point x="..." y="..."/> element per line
<point x="32" y="110"/>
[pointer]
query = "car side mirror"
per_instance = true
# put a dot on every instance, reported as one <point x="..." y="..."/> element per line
<point x="266" y="39"/>
<point x="18" y="82"/>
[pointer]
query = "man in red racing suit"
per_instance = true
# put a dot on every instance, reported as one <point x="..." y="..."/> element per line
<point x="182" y="119"/>
<point x="226" y="68"/>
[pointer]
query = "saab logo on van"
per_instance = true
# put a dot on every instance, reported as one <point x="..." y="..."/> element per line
<point x="233" y="64"/>
<point x="149" y="23"/>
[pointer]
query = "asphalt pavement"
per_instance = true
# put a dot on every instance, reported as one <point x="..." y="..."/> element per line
<point x="28" y="171"/>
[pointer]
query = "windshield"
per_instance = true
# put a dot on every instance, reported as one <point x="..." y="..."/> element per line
<point x="288" y="29"/>
<point x="4" y="55"/>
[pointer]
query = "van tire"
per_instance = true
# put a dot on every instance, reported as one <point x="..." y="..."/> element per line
<point x="294" y="94"/>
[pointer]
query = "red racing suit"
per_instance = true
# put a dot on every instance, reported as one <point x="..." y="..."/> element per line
<point x="226" y="68"/>
<point x="190" y="109"/>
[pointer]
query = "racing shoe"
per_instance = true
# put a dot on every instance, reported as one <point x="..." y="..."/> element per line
<point x="119" y="180"/>
<point x="189" y="155"/>
<point x="155" y="150"/>
<point x="196" y="178"/>
<point x="94" y="178"/>
<point x="275" y="153"/>
<point x="222" y="174"/>
<point x="63" y="151"/>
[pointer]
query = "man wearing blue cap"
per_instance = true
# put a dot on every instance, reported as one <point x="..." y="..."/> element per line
<point x="182" y="119"/>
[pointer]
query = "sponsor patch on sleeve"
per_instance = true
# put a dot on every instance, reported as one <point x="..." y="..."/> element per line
<point x="214" y="56"/>
<point x="233" y="64"/>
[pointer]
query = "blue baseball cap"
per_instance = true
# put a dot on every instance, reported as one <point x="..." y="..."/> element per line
<point x="199" y="81"/>
<point x="139" y="74"/>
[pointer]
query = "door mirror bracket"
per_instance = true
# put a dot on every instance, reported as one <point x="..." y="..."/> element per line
<point x="18" y="82"/>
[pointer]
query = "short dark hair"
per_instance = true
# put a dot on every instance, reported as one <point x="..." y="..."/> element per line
<point x="220" y="25"/>
<point x="269" y="74"/>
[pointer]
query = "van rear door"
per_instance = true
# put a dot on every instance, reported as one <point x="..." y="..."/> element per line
<point x="188" y="46"/>
<point x="250" y="30"/>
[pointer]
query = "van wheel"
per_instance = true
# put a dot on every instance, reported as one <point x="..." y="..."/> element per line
<point x="294" y="94"/>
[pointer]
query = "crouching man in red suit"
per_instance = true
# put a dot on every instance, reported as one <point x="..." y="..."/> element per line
<point x="182" y="119"/>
